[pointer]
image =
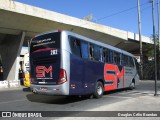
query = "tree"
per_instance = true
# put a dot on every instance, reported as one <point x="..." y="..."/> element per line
<point x="149" y="64"/>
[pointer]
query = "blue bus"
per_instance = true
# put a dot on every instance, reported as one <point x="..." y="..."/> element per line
<point x="65" y="63"/>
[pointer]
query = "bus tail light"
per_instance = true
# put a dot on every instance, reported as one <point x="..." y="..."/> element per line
<point x="63" y="76"/>
<point x="59" y="30"/>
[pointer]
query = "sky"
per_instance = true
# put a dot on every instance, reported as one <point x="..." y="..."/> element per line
<point x="120" y="14"/>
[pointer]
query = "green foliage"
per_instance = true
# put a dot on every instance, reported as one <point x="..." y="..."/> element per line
<point x="150" y="48"/>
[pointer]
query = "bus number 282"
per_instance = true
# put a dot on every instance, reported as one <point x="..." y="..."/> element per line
<point x="54" y="52"/>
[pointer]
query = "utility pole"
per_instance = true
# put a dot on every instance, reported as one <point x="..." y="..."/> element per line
<point x="140" y="40"/>
<point x="155" y="57"/>
<point x="158" y="8"/>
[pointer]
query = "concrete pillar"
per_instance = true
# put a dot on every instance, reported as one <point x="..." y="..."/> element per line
<point x="10" y="51"/>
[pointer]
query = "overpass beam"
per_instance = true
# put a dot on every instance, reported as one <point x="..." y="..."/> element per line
<point x="10" y="51"/>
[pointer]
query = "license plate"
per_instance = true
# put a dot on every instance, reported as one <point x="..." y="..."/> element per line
<point x="44" y="88"/>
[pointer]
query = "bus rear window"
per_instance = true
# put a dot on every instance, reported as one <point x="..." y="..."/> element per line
<point x="51" y="40"/>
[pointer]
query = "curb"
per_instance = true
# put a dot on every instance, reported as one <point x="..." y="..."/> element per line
<point x="11" y="88"/>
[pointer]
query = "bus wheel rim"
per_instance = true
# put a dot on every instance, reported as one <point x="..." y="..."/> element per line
<point x="99" y="90"/>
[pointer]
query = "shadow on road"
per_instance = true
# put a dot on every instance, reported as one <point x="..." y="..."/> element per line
<point x="26" y="90"/>
<point x="63" y="99"/>
<point x="54" y="99"/>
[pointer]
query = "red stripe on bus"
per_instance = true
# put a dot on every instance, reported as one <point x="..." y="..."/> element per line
<point x="110" y="76"/>
<point x="45" y="49"/>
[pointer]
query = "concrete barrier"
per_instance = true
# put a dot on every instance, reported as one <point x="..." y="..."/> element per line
<point x="14" y="83"/>
<point x="9" y="84"/>
<point x="4" y="84"/>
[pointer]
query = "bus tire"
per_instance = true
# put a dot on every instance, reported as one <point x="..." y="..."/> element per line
<point x="98" y="93"/>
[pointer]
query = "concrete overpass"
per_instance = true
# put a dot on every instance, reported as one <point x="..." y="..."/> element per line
<point x="19" y="22"/>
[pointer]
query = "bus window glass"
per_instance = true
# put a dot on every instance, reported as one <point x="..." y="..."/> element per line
<point x="51" y="40"/>
<point x="131" y="63"/>
<point x="91" y="51"/>
<point x="101" y="58"/>
<point x="117" y="58"/>
<point x="84" y="50"/>
<point x="137" y="66"/>
<point x="125" y="60"/>
<point x="122" y="59"/>
<point x="104" y="54"/>
<point x="96" y="53"/>
<point x="107" y="55"/>
<point x="75" y="46"/>
<point x="110" y="56"/>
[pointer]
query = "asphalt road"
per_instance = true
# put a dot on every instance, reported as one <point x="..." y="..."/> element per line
<point x="140" y="99"/>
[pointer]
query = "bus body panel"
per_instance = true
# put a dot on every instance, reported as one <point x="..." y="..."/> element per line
<point x="129" y="73"/>
<point x="50" y="89"/>
<point x="85" y="76"/>
<point x="62" y="62"/>
<point x="46" y="64"/>
<point x="76" y="77"/>
<point x="93" y="72"/>
<point x="114" y="76"/>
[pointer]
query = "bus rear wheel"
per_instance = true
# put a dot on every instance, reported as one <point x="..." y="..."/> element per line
<point x="98" y="93"/>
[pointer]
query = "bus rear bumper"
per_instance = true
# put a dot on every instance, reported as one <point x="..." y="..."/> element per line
<point x="49" y="89"/>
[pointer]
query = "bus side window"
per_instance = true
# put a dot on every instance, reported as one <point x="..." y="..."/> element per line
<point x="110" y="56"/>
<point x="84" y="50"/>
<point x="96" y="52"/>
<point x="104" y="54"/>
<point x="91" y="55"/>
<point x="101" y="58"/>
<point x="118" y="58"/>
<point x="137" y="66"/>
<point x="131" y="63"/>
<point x="122" y="59"/>
<point x="75" y="46"/>
<point x="107" y="55"/>
<point x="125" y="60"/>
<point x="115" y="57"/>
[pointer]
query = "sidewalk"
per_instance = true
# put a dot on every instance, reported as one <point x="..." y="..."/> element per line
<point x="12" y="88"/>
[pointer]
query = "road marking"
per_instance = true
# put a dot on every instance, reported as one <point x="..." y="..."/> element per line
<point x="125" y="92"/>
<point x="138" y="92"/>
<point x="12" y="101"/>
<point x="118" y="96"/>
<point x="130" y="93"/>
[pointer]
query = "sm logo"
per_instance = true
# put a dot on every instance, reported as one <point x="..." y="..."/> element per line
<point x="41" y="71"/>
<point x="113" y="75"/>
